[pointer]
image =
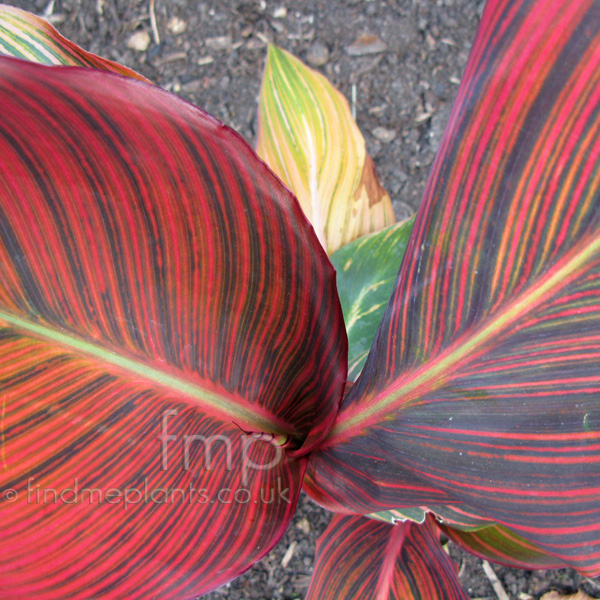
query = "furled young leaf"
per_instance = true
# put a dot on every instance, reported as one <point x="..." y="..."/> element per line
<point x="308" y="137"/>
<point x="24" y="35"/>
<point x="362" y="559"/>
<point x="366" y="271"/>
<point x="498" y="544"/>
<point x="161" y="294"/>
<point x="482" y="387"/>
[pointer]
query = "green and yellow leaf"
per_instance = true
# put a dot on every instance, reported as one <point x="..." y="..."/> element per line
<point x="401" y="515"/>
<point x="29" y="37"/>
<point x="366" y="272"/>
<point x="308" y="137"/>
<point x="452" y="516"/>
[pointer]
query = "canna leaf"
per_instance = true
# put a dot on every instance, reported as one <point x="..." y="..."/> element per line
<point x="29" y="37"/>
<point x="366" y="271"/>
<point x="148" y="260"/>
<point x="481" y="389"/>
<point x="308" y="137"/>
<point x="451" y="516"/>
<point x="400" y="515"/>
<point x="500" y="545"/>
<point x="458" y="518"/>
<point x="362" y="559"/>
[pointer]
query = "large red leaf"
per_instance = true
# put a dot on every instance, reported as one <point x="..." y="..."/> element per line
<point x="482" y="387"/>
<point x="157" y="282"/>
<point x="363" y="559"/>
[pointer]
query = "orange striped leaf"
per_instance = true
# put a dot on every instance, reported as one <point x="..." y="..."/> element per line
<point x="481" y="389"/>
<point x="153" y="379"/>
<point x="362" y="559"/>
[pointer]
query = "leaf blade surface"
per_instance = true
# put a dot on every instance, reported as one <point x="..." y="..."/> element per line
<point x="148" y="259"/>
<point x="29" y="37"/>
<point x="481" y="388"/>
<point x="308" y="137"/>
<point x="361" y="559"/>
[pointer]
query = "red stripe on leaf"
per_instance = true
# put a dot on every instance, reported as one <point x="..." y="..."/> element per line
<point x="157" y="281"/>
<point x="363" y="559"/>
<point x="502" y="546"/>
<point x="482" y="384"/>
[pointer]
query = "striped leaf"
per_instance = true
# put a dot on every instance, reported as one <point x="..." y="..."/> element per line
<point x="452" y="516"/>
<point x="308" y="137"/>
<point x="458" y="518"/>
<point x="366" y="271"/>
<point x="26" y="36"/>
<point x="481" y="389"/>
<point x="361" y="559"/>
<point x="500" y="545"/>
<point x="400" y="515"/>
<point x="148" y="258"/>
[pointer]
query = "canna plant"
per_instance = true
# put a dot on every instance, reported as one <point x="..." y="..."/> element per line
<point x="173" y="353"/>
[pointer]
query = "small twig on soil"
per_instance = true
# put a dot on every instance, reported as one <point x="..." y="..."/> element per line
<point x="49" y="10"/>
<point x="153" y="24"/>
<point x="289" y="554"/>
<point x="491" y="575"/>
<point x="594" y="582"/>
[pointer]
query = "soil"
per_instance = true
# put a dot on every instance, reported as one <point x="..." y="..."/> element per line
<point x="402" y="76"/>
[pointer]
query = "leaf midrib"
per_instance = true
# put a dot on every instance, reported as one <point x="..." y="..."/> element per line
<point x="354" y="421"/>
<point x="229" y="408"/>
<point x="397" y="535"/>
